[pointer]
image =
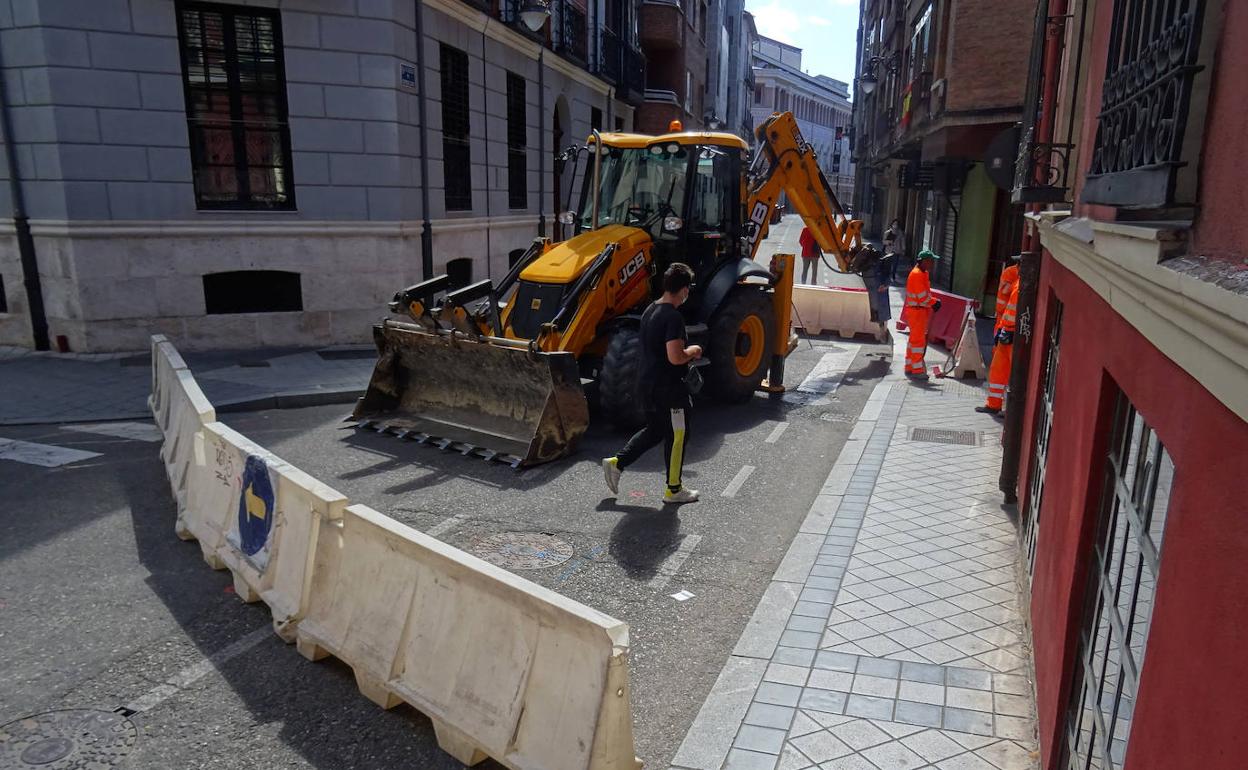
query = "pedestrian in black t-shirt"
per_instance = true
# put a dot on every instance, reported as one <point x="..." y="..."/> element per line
<point x="665" y="352"/>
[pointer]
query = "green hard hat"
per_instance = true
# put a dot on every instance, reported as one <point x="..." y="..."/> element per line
<point x="927" y="254"/>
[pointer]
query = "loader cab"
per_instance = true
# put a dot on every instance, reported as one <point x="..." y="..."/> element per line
<point x="683" y="189"/>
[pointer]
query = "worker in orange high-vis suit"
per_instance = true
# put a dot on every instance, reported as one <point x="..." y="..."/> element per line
<point x="1009" y="278"/>
<point x="917" y="312"/>
<point x="1002" y="354"/>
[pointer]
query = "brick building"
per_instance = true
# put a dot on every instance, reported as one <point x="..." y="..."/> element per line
<point x="234" y="174"/>
<point x="940" y="86"/>
<point x="1129" y="415"/>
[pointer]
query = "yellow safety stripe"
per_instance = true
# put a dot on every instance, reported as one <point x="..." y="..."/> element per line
<point x="678" y="449"/>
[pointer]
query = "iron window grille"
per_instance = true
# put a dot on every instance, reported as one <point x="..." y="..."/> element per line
<point x="1042" y="169"/>
<point x="1122" y="583"/>
<point x="1150" y="68"/>
<point x="517" y="143"/>
<point x="234" y="83"/>
<point x="572" y="39"/>
<point x="1043" y="432"/>
<point x="456" y="127"/>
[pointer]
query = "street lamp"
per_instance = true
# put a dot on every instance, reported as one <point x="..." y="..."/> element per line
<point x="869" y="79"/>
<point x="534" y="13"/>
<point x="867" y="83"/>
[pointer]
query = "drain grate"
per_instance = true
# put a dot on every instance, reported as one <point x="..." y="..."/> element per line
<point x="945" y="436"/>
<point x="77" y="739"/>
<point x="523" y="550"/>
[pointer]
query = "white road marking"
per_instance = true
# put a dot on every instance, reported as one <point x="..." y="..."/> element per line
<point x="735" y="485"/>
<point x="671" y="565"/>
<point x="825" y="378"/>
<point x="46" y="455"/>
<point x="193" y="673"/>
<point x="776" y="433"/>
<point x="135" y="431"/>
<point x="446" y="525"/>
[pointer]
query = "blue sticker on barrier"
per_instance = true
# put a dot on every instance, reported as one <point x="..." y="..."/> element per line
<point x="255" y="506"/>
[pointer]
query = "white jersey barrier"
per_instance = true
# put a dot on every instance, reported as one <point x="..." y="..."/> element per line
<point x="180" y="410"/>
<point x="844" y="312"/>
<point x="503" y="667"/>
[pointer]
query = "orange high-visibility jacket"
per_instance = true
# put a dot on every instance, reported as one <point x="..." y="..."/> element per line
<point x="1008" y="318"/>
<point x="918" y="296"/>
<point x="1009" y="281"/>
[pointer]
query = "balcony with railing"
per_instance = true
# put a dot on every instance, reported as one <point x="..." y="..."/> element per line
<point x="569" y="32"/>
<point x="622" y="65"/>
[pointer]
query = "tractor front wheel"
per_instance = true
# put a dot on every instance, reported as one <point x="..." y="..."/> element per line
<point x="740" y="344"/>
<point x="618" y="380"/>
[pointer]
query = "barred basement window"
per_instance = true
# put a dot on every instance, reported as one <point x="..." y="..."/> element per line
<point x="595" y="118"/>
<point x="456" y="154"/>
<point x="1122" y="581"/>
<point x="252" y="291"/>
<point x="517" y="143"/>
<point x="234" y="81"/>
<point x="460" y="272"/>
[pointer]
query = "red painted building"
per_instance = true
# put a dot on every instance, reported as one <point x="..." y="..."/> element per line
<point x="1133" y="461"/>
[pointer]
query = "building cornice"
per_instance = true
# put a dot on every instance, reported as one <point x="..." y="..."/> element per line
<point x="258" y="228"/>
<point x="495" y="29"/>
<point x="1200" y="326"/>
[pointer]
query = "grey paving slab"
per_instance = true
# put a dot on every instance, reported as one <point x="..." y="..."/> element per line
<point x="708" y="741"/>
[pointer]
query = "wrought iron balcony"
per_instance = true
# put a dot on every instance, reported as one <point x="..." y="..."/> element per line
<point x="622" y="65"/>
<point x="1144" y="104"/>
<point x="570" y="38"/>
<point x="1041" y="171"/>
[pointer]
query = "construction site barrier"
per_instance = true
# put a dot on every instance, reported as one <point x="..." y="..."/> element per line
<point x="946" y="325"/>
<point x="844" y="312"/>
<point x="503" y="667"/>
<point x="180" y="410"/>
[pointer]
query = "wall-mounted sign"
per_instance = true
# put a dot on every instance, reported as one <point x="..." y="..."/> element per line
<point x="407" y="76"/>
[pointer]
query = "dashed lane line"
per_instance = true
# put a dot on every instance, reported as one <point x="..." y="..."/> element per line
<point x="734" y="486"/>
<point x="776" y="433"/>
<point x="193" y="673"/>
<point x="671" y="565"/>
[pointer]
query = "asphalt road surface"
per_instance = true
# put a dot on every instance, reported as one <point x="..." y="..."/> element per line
<point x="102" y="607"/>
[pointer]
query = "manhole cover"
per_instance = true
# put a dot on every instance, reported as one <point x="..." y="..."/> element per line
<point x="78" y="739"/>
<point x="523" y="550"/>
<point x="945" y="436"/>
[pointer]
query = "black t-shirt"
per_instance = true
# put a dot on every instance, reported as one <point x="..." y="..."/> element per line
<point x="662" y="382"/>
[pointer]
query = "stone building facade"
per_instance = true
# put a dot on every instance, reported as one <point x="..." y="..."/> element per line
<point x="241" y="174"/>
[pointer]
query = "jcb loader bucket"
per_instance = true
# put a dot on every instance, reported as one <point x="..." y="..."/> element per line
<point x="497" y="399"/>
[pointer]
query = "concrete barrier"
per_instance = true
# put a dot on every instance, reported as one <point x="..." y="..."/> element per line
<point x="503" y="667"/>
<point x="180" y="410"/>
<point x="260" y="517"/>
<point x="845" y="312"/>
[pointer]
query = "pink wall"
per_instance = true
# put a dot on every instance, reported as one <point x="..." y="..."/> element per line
<point x="1221" y="228"/>
<point x="1191" y="710"/>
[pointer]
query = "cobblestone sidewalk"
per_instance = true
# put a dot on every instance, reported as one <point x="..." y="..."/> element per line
<point x="890" y="636"/>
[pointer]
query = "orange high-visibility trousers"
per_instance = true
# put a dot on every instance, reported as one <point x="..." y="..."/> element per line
<point x="999" y="374"/>
<point x="916" y="346"/>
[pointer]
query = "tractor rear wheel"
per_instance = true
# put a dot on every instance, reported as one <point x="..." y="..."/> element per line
<point x="618" y="380"/>
<point x="740" y="344"/>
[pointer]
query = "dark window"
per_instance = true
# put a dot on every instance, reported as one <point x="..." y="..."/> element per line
<point x="595" y="118"/>
<point x="456" y="156"/>
<point x="460" y="272"/>
<point x="1042" y="433"/>
<point x="234" y="82"/>
<point x="1122" y="581"/>
<point x="252" y="291"/>
<point x="517" y="143"/>
<point x="619" y="124"/>
<point x="4" y="300"/>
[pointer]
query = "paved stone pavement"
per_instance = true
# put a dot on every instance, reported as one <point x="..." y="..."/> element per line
<point x="40" y="388"/>
<point x="890" y="636"/>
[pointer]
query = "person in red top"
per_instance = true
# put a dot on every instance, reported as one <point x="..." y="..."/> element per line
<point x="810" y="257"/>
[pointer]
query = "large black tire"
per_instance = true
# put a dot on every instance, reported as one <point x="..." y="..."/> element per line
<point x="740" y="344"/>
<point x="618" y="394"/>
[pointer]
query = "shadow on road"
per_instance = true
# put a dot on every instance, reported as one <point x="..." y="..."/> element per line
<point x="642" y="539"/>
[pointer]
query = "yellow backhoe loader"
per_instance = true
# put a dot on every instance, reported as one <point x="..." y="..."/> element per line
<point x="500" y="370"/>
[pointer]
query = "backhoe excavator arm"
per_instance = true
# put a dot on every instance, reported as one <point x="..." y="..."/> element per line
<point x="784" y="162"/>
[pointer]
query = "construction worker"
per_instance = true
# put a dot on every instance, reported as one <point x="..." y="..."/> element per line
<point x="1002" y="353"/>
<point x="918" y="311"/>
<point x="1009" y="278"/>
